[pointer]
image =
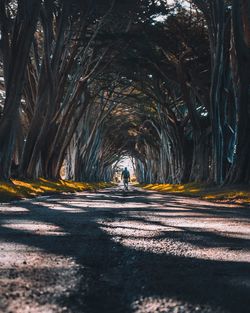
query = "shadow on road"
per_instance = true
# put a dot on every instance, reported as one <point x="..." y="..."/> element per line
<point x="118" y="277"/>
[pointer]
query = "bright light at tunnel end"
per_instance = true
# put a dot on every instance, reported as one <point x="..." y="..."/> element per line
<point x="126" y="162"/>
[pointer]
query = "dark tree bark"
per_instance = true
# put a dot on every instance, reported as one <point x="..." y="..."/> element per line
<point x="240" y="60"/>
<point x="21" y="39"/>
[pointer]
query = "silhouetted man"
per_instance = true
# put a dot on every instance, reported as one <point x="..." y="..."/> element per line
<point x="125" y="177"/>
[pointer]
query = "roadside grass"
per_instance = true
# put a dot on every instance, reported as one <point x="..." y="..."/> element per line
<point x="236" y="194"/>
<point x="19" y="189"/>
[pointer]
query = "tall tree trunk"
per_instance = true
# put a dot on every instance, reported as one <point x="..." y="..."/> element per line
<point x="240" y="56"/>
<point x="216" y="95"/>
<point x="25" y="23"/>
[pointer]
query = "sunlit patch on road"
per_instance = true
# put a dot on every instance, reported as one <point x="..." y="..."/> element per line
<point x="146" y="252"/>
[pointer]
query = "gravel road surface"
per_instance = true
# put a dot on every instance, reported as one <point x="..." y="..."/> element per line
<point x="116" y="252"/>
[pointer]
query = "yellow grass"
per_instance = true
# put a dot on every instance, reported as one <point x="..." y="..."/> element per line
<point x="237" y="194"/>
<point x="18" y="189"/>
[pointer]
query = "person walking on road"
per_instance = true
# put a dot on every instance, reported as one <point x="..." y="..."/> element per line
<point x="125" y="177"/>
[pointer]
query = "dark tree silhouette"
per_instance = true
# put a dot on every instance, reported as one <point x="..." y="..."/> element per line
<point x="86" y="82"/>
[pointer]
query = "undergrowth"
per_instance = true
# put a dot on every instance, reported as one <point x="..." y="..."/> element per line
<point x="19" y="189"/>
<point x="237" y="194"/>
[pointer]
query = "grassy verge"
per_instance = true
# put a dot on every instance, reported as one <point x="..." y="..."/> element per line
<point x="18" y="189"/>
<point x="236" y="194"/>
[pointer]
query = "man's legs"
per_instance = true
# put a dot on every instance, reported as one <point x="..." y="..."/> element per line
<point x="125" y="182"/>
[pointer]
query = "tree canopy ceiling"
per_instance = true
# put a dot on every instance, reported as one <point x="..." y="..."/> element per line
<point x="161" y="81"/>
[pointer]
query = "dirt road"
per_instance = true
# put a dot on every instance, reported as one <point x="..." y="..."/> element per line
<point x="115" y="252"/>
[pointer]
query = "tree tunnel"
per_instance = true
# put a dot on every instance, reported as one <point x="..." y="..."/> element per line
<point x="85" y="83"/>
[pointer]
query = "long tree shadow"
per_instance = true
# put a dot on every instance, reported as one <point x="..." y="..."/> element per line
<point x="114" y="275"/>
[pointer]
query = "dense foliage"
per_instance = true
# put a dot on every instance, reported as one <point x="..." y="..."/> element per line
<point x="84" y="83"/>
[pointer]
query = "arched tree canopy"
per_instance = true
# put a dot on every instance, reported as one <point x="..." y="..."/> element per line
<point x="84" y="83"/>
